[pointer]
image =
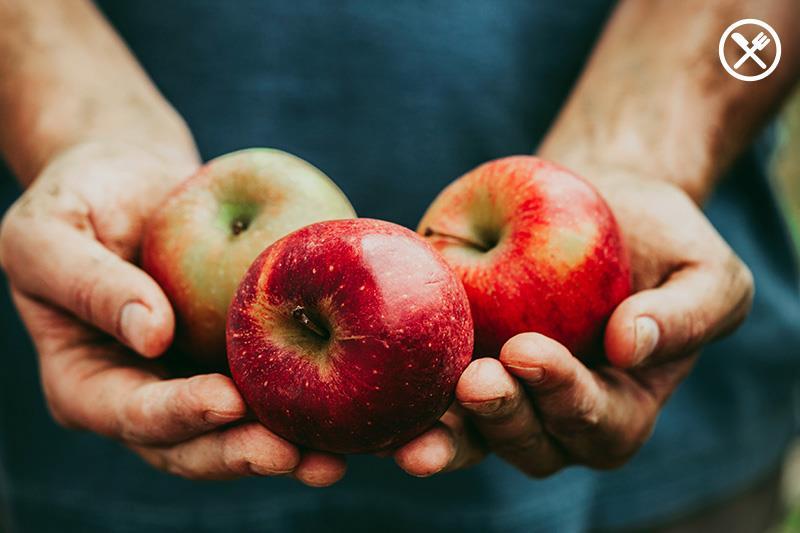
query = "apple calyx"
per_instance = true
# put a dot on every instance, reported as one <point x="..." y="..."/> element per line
<point x="430" y="232"/>
<point x="238" y="226"/>
<point x="300" y="315"/>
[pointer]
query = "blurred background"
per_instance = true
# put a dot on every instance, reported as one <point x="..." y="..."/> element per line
<point x="785" y="170"/>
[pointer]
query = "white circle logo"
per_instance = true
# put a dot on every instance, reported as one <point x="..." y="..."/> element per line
<point x="750" y="48"/>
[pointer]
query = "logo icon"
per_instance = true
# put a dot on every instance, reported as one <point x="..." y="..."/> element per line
<point x="750" y="48"/>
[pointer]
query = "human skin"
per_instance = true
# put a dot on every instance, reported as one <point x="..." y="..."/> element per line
<point x="69" y="89"/>
<point x="97" y="149"/>
<point x="652" y="126"/>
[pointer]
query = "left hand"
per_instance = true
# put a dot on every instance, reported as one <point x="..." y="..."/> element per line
<point x="98" y="322"/>
<point x="541" y="409"/>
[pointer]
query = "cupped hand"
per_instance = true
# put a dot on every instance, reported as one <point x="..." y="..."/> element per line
<point x="68" y="246"/>
<point x="541" y="409"/>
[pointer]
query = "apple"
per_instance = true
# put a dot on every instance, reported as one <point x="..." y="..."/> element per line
<point x="198" y="245"/>
<point x="349" y="336"/>
<point x="537" y="249"/>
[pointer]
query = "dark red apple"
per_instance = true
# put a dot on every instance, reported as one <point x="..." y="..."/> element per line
<point x="199" y="244"/>
<point x="349" y="336"/>
<point x="536" y="248"/>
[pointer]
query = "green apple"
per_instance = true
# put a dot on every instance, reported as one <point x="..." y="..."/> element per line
<point x="202" y="240"/>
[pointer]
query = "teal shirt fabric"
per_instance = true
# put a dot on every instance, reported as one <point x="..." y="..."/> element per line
<point x="394" y="100"/>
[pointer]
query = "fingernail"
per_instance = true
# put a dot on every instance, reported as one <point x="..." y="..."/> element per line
<point x="265" y="471"/>
<point x="132" y="322"/>
<point x="645" y="339"/>
<point x="217" y="417"/>
<point x="530" y="374"/>
<point x="485" y="407"/>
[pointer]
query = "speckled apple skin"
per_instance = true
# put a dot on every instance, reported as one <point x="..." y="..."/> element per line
<point x="400" y="336"/>
<point x="188" y="247"/>
<point x="559" y="266"/>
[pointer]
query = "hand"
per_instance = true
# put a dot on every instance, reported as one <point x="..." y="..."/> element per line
<point x="541" y="409"/>
<point x="67" y="246"/>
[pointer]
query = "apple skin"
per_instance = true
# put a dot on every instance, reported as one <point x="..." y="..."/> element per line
<point x="400" y="335"/>
<point x="537" y="249"/>
<point x="201" y="241"/>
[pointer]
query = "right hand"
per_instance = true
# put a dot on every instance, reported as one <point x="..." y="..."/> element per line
<point x="542" y="409"/>
<point x="67" y="246"/>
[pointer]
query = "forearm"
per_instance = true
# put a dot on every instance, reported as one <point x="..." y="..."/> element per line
<point x="655" y="100"/>
<point x="67" y="78"/>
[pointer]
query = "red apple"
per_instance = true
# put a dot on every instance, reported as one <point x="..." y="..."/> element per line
<point x="199" y="244"/>
<point x="349" y="336"/>
<point x="536" y="248"/>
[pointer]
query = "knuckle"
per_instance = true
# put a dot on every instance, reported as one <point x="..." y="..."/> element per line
<point x="133" y="415"/>
<point x="161" y="462"/>
<point x="695" y="325"/>
<point x="737" y="273"/>
<point x="59" y="412"/>
<point x="740" y="290"/>
<point x="188" y="397"/>
<point x="60" y="416"/>
<point x="521" y="446"/>
<point x="587" y="418"/>
<point x="614" y="459"/>
<point x="642" y="436"/>
<point x="744" y="276"/>
<point x="153" y="458"/>
<point x="135" y="421"/>
<point x="193" y="396"/>
<point x="233" y="460"/>
<point x="171" y="461"/>
<point x="583" y="419"/>
<point x="618" y="452"/>
<point x="537" y="470"/>
<point x="175" y="469"/>
<point x="82" y="295"/>
<point x="87" y="292"/>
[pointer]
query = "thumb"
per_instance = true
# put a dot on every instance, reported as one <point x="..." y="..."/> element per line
<point x="694" y="306"/>
<point x="57" y="263"/>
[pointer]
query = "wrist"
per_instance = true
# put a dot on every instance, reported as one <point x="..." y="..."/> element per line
<point x="612" y="159"/>
<point x="164" y="163"/>
<point x="153" y="134"/>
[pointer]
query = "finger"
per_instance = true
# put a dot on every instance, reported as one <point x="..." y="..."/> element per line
<point x="449" y="445"/>
<point x="174" y="410"/>
<point x="505" y="417"/>
<point x="132" y="405"/>
<point x="428" y="454"/>
<point x="57" y="263"/>
<point x="319" y="469"/>
<point x="120" y="396"/>
<point x="470" y="446"/>
<point x="599" y="418"/>
<point x="694" y="306"/>
<point x="245" y="450"/>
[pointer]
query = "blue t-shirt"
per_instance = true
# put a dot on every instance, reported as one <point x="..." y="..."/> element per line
<point x="394" y="100"/>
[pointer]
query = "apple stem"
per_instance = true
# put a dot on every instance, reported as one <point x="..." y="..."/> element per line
<point x="299" y="314"/>
<point x="430" y="232"/>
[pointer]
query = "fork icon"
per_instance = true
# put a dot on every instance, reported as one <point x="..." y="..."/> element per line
<point x="759" y="43"/>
